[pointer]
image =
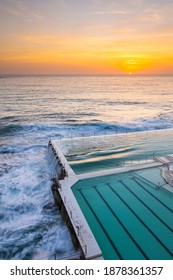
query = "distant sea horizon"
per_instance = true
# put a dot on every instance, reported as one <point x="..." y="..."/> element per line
<point x="83" y="75"/>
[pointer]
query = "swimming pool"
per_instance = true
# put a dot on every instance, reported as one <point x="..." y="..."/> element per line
<point x="119" y="213"/>
<point x="130" y="215"/>
<point x="89" y="154"/>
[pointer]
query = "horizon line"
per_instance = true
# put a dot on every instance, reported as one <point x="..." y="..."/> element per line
<point x="83" y="74"/>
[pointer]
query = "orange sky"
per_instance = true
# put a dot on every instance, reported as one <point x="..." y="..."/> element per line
<point x="86" y="37"/>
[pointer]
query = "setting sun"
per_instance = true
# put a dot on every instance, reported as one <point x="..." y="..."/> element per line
<point x="91" y="38"/>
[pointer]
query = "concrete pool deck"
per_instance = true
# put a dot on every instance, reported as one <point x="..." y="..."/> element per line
<point x="83" y="231"/>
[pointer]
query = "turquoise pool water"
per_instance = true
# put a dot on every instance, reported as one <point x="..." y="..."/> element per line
<point x="130" y="216"/>
<point x="104" y="152"/>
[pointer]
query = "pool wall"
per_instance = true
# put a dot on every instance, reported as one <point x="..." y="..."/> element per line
<point x="64" y="196"/>
<point x="66" y="200"/>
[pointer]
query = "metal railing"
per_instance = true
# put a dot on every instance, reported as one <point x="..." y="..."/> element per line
<point x="116" y="132"/>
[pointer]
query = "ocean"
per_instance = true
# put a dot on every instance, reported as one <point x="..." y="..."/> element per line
<point x="35" y="109"/>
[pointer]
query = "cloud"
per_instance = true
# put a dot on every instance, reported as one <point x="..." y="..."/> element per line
<point x="120" y="12"/>
<point x="19" y="9"/>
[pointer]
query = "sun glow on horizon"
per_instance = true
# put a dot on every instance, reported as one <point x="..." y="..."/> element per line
<point x="112" y="38"/>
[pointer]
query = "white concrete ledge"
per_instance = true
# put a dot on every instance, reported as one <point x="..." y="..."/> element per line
<point x="118" y="170"/>
<point x="83" y="232"/>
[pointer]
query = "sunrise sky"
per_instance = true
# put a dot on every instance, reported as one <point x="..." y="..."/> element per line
<point x="86" y="37"/>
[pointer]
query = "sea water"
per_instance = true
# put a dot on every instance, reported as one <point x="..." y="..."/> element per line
<point x="34" y="109"/>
